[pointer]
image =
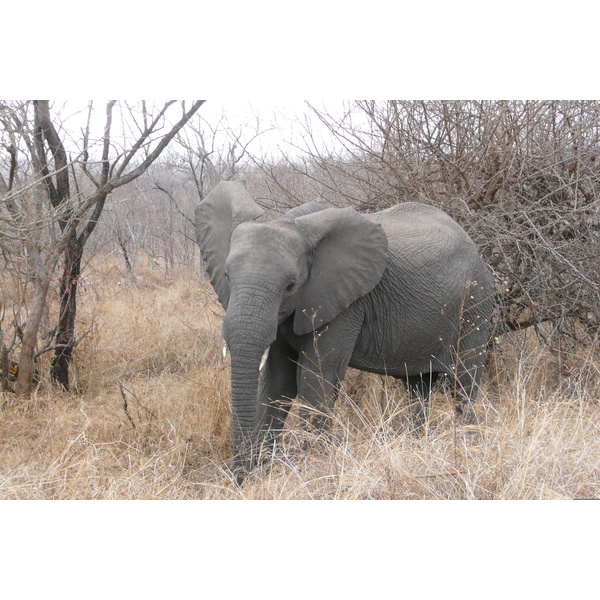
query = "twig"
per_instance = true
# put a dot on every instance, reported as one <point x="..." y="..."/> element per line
<point x="125" y="405"/>
<point x="69" y="345"/>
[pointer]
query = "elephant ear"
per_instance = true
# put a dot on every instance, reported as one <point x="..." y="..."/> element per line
<point x="223" y="209"/>
<point x="350" y="254"/>
<point x="300" y="211"/>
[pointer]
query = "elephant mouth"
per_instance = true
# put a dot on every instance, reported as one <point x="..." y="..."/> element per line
<point x="283" y="314"/>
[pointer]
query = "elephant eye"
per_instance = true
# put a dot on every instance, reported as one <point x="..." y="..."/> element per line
<point x="290" y="286"/>
<point x="226" y="276"/>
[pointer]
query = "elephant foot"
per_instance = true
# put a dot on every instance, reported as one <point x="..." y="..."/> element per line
<point x="261" y="463"/>
<point x="243" y="466"/>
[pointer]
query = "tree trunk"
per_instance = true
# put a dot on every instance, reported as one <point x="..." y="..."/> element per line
<point x="27" y="358"/>
<point x="128" y="266"/>
<point x="65" y="333"/>
<point x="122" y="241"/>
<point x="5" y="368"/>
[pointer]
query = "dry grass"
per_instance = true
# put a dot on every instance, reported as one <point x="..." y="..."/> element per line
<point x="150" y="420"/>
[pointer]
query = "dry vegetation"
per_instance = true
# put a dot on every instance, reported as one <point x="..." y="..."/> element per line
<point x="148" y="418"/>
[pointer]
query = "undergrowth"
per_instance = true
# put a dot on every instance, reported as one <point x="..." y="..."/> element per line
<point x="149" y="418"/>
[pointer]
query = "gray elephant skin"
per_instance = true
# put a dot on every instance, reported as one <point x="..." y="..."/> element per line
<point x="401" y="292"/>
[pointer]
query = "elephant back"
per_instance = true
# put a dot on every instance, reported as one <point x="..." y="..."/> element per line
<point x="426" y="243"/>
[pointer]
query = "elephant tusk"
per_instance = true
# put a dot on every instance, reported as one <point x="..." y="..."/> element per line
<point x="263" y="360"/>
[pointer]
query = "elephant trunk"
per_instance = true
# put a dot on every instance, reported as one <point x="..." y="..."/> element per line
<point x="249" y="328"/>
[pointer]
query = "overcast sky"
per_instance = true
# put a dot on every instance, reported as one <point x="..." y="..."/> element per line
<point x="282" y="125"/>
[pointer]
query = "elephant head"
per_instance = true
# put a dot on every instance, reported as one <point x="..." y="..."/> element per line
<point x="303" y="269"/>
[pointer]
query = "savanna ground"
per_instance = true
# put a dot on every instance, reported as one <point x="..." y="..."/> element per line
<point x="149" y="418"/>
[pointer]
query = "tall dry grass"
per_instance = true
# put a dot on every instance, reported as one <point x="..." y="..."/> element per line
<point x="149" y="419"/>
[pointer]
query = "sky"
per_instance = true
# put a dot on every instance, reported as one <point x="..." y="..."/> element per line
<point x="283" y="125"/>
<point x="278" y="127"/>
<point x="274" y="120"/>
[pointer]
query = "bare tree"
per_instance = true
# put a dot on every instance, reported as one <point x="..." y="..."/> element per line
<point x="50" y="219"/>
<point x="216" y="151"/>
<point x="207" y="152"/>
<point x="522" y="177"/>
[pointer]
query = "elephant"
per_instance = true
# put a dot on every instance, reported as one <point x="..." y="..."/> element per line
<point x="401" y="292"/>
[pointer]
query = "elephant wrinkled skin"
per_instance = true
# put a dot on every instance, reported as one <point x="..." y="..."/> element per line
<point x="401" y="292"/>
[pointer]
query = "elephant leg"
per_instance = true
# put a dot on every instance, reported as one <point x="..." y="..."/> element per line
<point x="319" y="391"/>
<point x="465" y="392"/>
<point x="323" y="364"/>
<point x="465" y="363"/>
<point x="277" y="390"/>
<point x="469" y="369"/>
<point x="419" y="394"/>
